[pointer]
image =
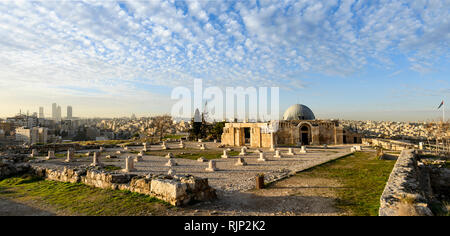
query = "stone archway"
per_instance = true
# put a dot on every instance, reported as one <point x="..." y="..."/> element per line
<point x="305" y="133"/>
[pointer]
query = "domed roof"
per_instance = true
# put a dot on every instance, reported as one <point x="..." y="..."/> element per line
<point x="298" y="112"/>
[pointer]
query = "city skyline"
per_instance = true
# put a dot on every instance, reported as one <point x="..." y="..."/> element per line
<point x="384" y="60"/>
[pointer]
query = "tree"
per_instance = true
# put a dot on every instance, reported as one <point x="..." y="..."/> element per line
<point x="217" y="129"/>
<point x="161" y="125"/>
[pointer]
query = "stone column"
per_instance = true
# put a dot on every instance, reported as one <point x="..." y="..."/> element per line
<point x="240" y="162"/>
<point x="225" y="155"/>
<point x="291" y="152"/>
<point x="145" y="147"/>
<point x="272" y="142"/>
<point x="169" y="155"/>
<point x="211" y="166"/>
<point x="262" y="157"/>
<point x="51" y="155"/>
<point x="34" y="153"/>
<point x="141" y="153"/>
<point x="70" y="155"/>
<point x="171" y="172"/>
<point x="277" y="154"/>
<point x="129" y="164"/>
<point x="171" y="162"/>
<point x="243" y="152"/>
<point x="96" y="159"/>
<point x="303" y="149"/>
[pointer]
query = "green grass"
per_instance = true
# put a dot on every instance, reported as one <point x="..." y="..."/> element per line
<point x="363" y="178"/>
<point x="111" y="168"/>
<point x="80" y="199"/>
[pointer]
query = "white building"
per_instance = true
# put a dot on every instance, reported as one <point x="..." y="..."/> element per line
<point x="32" y="135"/>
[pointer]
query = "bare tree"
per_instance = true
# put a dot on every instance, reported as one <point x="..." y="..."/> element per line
<point x="161" y="125"/>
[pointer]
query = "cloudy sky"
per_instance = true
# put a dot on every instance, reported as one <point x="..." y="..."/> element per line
<point x="344" y="59"/>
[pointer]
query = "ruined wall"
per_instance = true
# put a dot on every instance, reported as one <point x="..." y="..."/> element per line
<point x="177" y="190"/>
<point x="403" y="194"/>
<point x="388" y="144"/>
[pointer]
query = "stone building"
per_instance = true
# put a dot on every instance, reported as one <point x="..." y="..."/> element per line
<point x="298" y="127"/>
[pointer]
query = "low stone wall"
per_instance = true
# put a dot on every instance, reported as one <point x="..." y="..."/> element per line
<point x="176" y="190"/>
<point x="403" y="194"/>
<point x="394" y="145"/>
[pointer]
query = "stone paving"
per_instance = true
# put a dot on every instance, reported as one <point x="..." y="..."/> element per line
<point x="228" y="176"/>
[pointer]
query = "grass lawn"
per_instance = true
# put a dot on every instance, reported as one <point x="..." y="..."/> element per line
<point x="79" y="199"/>
<point x="363" y="178"/>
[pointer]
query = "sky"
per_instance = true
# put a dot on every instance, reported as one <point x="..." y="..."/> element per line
<point x="360" y="60"/>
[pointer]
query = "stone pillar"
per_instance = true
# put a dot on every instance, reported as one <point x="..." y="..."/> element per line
<point x="138" y="158"/>
<point x="420" y="145"/>
<point x="272" y="142"/>
<point x="169" y="155"/>
<point x="51" y="155"/>
<point x="262" y="157"/>
<point x="225" y="155"/>
<point x="277" y="154"/>
<point x="96" y="159"/>
<point x="145" y="147"/>
<point x="171" y="172"/>
<point x="211" y="166"/>
<point x="181" y="145"/>
<point x="70" y="155"/>
<point x="141" y="153"/>
<point x="34" y="153"/>
<point x="303" y="150"/>
<point x="243" y="152"/>
<point x="164" y="146"/>
<point x="129" y="164"/>
<point x="171" y="162"/>
<point x="291" y="152"/>
<point x="240" y="162"/>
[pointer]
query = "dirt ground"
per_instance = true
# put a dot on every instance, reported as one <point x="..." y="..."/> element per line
<point x="11" y="208"/>
<point x="292" y="196"/>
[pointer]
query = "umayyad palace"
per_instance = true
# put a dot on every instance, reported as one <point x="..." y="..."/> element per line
<point x="298" y="127"/>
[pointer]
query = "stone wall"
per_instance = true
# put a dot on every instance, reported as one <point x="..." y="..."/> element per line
<point x="13" y="164"/>
<point x="388" y="144"/>
<point x="403" y="194"/>
<point x="177" y="190"/>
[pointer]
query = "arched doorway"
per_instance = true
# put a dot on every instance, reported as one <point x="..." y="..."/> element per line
<point x="304" y="134"/>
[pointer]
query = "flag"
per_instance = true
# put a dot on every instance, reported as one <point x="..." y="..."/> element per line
<point x="440" y="105"/>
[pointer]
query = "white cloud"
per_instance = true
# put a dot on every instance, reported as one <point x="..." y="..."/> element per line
<point x="73" y="43"/>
